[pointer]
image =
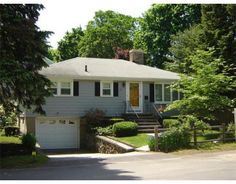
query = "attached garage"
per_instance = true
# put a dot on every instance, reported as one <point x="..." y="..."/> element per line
<point x="57" y="133"/>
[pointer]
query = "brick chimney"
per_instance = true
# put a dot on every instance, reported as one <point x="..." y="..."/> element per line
<point x="136" y="56"/>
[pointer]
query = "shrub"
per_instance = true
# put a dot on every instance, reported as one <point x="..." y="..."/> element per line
<point x="104" y="130"/>
<point x="94" y="118"/>
<point x="211" y="134"/>
<point x="230" y="132"/>
<point x="174" y="139"/>
<point x="151" y="143"/>
<point x="125" y="128"/>
<point x="11" y="130"/>
<point x="29" y="141"/>
<point x="170" y="123"/>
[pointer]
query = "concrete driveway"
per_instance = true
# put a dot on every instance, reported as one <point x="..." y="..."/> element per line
<point x="131" y="166"/>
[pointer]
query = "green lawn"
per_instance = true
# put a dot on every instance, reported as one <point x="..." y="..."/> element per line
<point x="23" y="161"/>
<point x="136" y="141"/>
<point x="10" y="139"/>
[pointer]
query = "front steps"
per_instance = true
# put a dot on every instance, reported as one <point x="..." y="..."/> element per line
<point x="146" y="122"/>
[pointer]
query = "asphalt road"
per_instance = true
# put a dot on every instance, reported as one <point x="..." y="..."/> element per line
<point x="131" y="166"/>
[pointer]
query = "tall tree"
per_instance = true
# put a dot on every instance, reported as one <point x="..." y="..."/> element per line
<point x="22" y="49"/>
<point x="183" y="46"/>
<point x="159" y="23"/>
<point x="219" y="31"/>
<point x="68" y="46"/>
<point x="107" y="31"/>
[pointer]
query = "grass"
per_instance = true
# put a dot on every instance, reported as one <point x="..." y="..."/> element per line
<point x="23" y="161"/>
<point x="136" y="141"/>
<point x="10" y="139"/>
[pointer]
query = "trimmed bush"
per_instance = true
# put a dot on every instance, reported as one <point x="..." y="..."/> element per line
<point x="125" y="128"/>
<point x="29" y="141"/>
<point x="11" y="130"/>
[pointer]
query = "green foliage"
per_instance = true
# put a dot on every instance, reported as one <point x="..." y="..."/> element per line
<point x="7" y="118"/>
<point x="219" y="24"/>
<point x="174" y="139"/>
<point x="94" y="118"/>
<point x="23" y="47"/>
<point x="29" y="141"/>
<point x="205" y="89"/>
<point x="211" y="134"/>
<point x="152" y="143"/>
<point x="183" y="46"/>
<point x="107" y="31"/>
<point x="230" y="130"/>
<point x="125" y="128"/>
<point x="68" y="46"/>
<point x="170" y="123"/>
<point x="104" y="130"/>
<point x="54" y="55"/>
<point x="11" y="130"/>
<point x="159" y="23"/>
<point x="190" y="122"/>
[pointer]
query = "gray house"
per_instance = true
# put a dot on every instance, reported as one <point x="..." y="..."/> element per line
<point x="113" y="85"/>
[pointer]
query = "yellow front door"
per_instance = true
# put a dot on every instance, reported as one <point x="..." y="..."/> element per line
<point x="134" y="94"/>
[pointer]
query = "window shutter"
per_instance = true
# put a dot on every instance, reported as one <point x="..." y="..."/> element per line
<point x="116" y="89"/>
<point x="97" y="88"/>
<point x="76" y="88"/>
<point x="151" y="90"/>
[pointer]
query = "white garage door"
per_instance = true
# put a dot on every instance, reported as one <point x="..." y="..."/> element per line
<point x="57" y="133"/>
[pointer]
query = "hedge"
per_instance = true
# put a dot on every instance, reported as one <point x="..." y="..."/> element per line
<point x="125" y="128"/>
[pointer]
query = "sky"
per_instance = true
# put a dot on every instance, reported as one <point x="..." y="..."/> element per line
<point x="62" y="16"/>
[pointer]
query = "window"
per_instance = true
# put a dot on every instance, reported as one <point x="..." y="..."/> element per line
<point x="107" y="88"/>
<point x="65" y="88"/>
<point x="167" y="93"/>
<point x="175" y="95"/>
<point x="164" y="93"/>
<point x="159" y="92"/>
<point x="53" y="88"/>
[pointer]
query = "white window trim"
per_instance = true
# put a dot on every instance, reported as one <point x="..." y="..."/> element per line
<point x="101" y="88"/>
<point x="71" y="88"/>
<point x="59" y="88"/>
<point x="171" y="93"/>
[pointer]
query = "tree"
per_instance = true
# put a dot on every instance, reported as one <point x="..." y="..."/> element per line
<point x="107" y="31"/>
<point x="204" y="90"/>
<point x="22" y="49"/>
<point x="68" y="46"/>
<point x="54" y="55"/>
<point x="159" y="23"/>
<point x="219" y="31"/>
<point x="183" y="46"/>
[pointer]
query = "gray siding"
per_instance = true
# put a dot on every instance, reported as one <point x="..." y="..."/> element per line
<point x="77" y="105"/>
